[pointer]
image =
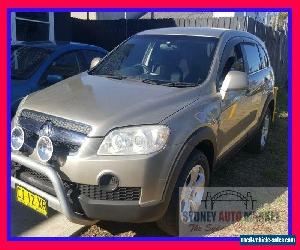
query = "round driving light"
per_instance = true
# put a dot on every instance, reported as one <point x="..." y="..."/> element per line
<point x="17" y="138"/>
<point x="44" y="148"/>
<point x="108" y="182"/>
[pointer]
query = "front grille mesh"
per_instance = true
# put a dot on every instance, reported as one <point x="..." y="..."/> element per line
<point x="37" y="175"/>
<point x="91" y="191"/>
<point x="57" y="121"/>
<point x="67" y="136"/>
<point x="120" y="194"/>
<point x="69" y="146"/>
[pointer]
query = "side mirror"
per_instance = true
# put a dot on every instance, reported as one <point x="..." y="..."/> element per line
<point x="51" y="79"/>
<point x="234" y="80"/>
<point x="95" y="62"/>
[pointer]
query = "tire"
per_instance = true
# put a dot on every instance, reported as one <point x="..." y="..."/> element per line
<point x="169" y="223"/>
<point x="256" y="145"/>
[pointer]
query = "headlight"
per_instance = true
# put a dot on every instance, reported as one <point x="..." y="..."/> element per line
<point x="17" y="138"/>
<point x="135" y="140"/>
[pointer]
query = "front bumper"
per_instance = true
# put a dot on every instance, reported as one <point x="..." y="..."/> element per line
<point x="60" y="202"/>
<point x="149" y="172"/>
<point x="92" y="210"/>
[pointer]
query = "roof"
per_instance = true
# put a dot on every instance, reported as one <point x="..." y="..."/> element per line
<point x="190" y="31"/>
<point x="55" y="45"/>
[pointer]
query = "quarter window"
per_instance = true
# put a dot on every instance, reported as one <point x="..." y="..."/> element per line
<point x="252" y="57"/>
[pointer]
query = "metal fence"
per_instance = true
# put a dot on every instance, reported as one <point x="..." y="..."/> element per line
<point x="109" y="33"/>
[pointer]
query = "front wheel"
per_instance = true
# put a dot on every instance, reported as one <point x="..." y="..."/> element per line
<point x="188" y="191"/>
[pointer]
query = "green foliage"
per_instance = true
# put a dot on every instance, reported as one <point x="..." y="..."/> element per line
<point x="283" y="16"/>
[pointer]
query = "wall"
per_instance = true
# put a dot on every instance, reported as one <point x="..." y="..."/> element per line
<point x="118" y="15"/>
<point x="62" y="26"/>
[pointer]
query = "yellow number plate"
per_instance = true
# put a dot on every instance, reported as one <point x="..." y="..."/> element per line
<point x="31" y="200"/>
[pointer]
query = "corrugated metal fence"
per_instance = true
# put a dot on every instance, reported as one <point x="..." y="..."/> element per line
<point x="109" y="33"/>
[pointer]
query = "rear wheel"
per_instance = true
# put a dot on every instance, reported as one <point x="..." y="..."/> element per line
<point x="260" y="139"/>
<point x="193" y="177"/>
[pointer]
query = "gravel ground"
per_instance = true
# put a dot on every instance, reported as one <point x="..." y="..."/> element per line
<point x="243" y="170"/>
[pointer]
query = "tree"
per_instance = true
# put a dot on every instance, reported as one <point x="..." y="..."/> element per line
<point x="281" y="21"/>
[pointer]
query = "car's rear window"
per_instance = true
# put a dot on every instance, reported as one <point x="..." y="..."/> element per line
<point x="26" y="60"/>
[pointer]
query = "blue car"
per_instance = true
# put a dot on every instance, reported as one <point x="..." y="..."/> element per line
<point x="37" y="65"/>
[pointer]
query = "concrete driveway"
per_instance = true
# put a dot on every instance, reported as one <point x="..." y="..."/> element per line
<point x="26" y="222"/>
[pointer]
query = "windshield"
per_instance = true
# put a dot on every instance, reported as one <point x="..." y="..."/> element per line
<point x="161" y="59"/>
<point x="25" y="61"/>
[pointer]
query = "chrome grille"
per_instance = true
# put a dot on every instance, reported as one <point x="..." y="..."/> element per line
<point x="57" y="121"/>
<point x="67" y="135"/>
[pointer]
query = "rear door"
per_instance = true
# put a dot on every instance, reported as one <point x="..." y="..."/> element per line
<point x="256" y="76"/>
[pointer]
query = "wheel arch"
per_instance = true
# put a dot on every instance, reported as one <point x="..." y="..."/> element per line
<point x="203" y="139"/>
<point x="269" y="103"/>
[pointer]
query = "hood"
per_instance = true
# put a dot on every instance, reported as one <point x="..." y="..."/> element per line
<point x="107" y="103"/>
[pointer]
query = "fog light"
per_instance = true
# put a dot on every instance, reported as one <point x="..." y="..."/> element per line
<point x="44" y="148"/>
<point x="17" y="138"/>
<point x="108" y="182"/>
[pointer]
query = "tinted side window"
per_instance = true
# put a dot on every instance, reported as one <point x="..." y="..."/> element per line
<point x="264" y="57"/>
<point x="252" y="57"/>
<point x="234" y="61"/>
<point x="66" y="66"/>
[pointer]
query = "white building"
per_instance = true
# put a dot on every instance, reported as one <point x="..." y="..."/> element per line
<point x="107" y="15"/>
<point x="39" y="26"/>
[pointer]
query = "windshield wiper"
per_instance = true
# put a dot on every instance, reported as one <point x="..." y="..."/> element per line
<point x="118" y="77"/>
<point x="181" y="84"/>
<point x="154" y="81"/>
<point x="170" y="84"/>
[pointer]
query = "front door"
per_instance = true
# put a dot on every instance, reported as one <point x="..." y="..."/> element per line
<point x="236" y="109"/>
